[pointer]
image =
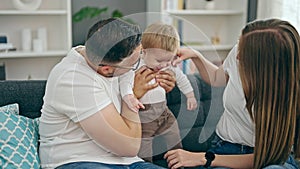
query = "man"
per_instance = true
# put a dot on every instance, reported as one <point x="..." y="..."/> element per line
<point x="84" y="123"/>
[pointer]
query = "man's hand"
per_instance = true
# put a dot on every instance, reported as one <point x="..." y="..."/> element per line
<point x="166" y="79"/>
<point x="141" y="81"/>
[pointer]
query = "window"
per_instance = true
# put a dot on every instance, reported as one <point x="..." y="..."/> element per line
<point x="288" y="10"/>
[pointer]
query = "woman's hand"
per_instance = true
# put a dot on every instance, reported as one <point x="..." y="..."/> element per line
<point x="185" y="53"/>
<point x="141" y="81"/>
<point x="181" y="158"/>
<point x="166" y="79"/>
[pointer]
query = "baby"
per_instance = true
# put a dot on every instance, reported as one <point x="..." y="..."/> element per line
<point x="160" y="44"/>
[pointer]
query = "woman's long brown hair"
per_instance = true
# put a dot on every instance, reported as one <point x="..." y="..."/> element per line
<point x="269" y="66"/>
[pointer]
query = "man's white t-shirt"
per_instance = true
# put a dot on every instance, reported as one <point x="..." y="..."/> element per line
<point x="235" y="125"/>
<point x="74" y="92"/>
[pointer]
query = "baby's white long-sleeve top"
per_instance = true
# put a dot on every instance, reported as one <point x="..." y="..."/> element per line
<point x="157" y="94"/>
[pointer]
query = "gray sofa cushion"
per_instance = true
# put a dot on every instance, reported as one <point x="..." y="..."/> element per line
<point x="191" y="122"/>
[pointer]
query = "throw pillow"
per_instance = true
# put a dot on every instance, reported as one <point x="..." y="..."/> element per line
<point x="18" y="140"/>
<point x="11" y="108"/>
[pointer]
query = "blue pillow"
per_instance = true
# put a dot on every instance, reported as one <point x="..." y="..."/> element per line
<point x="11" y="108"/>
<point x="18" y="139"/>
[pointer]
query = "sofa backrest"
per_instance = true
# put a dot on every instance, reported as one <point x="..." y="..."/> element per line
<point x="27" y="93"/>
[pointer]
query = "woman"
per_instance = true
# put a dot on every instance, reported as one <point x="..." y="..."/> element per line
<point x="261" y="100"/>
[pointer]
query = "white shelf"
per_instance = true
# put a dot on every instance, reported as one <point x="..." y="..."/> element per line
<point x="53" y="15"/>
<point x="211" y="47"/>
<point x="204" y="12"/>
<point x="38" y="12"/>
<point x="198" y="26"/>
<point x="22" y="54"/>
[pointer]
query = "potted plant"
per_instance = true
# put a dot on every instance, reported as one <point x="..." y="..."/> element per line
<point x="91" y="12"/>
<point x="86" y="17"/>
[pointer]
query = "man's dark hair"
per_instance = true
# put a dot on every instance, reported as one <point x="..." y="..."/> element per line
<point x="111" y="40"/>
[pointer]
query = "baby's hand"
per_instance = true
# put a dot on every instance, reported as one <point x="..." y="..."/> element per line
<point x="191" y="103"/>
<point x="133" y="103"/>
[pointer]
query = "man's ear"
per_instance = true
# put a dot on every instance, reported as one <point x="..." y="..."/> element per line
<point x="238" y="56"/>
<point x="105" y="70"/>
<point x="143" y="53"/>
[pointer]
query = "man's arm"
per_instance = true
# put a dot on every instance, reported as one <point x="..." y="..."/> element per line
<point x="120" y="134"/>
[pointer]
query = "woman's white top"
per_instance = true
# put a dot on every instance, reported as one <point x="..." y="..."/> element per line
<point x="235" y="125"/>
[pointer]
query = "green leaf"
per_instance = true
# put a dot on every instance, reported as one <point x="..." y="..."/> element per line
<point x="117" y="14"/>
<point x="88" y="12"/>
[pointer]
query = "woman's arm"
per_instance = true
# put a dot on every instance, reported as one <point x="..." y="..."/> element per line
<point x="210" y="73"/>
<point x="243" y="161"/>
<point x="181" y="158"/>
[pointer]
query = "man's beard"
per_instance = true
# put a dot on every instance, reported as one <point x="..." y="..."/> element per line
<point x="110" y="75"/>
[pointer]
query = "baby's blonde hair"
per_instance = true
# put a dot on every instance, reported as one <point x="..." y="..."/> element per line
<point x="162" y="36"/>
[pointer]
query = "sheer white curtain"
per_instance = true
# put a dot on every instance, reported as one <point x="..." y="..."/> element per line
<point x="284" y="9"/>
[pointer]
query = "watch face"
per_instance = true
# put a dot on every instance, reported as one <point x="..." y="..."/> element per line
<point x="210" y="156"/>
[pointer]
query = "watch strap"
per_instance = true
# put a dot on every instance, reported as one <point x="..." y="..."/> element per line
<point x="209" y="156"/>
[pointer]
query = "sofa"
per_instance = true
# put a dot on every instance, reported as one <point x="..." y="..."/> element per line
<point x="196" y="127"/>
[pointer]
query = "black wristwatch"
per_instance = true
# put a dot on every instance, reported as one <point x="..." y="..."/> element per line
<point x="209" y="156"/>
